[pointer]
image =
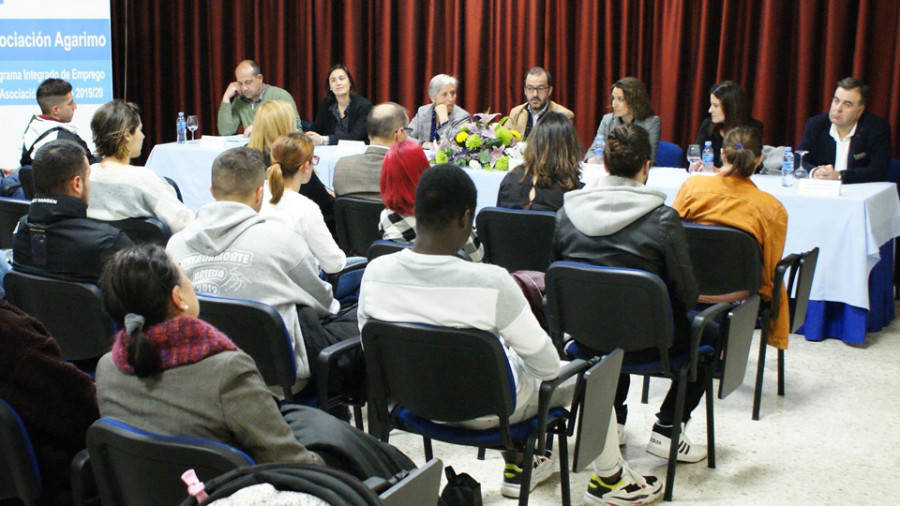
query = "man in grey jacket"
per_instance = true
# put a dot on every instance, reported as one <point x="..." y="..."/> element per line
<point x="231" y="251"/>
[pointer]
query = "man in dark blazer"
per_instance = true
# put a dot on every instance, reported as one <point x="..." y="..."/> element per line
<point x="847" y="143"/>
<point x="360" y="175"/>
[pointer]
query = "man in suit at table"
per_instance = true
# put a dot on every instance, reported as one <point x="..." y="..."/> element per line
<point x="244" y="95"/>
<point x="848" y="143"/>
<point x="360" y="175"/>
<point x="538" y="88"/>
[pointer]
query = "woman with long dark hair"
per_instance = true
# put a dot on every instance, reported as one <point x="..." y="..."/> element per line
<point x="728" y="108"/>
<point x="550" y="170"/>
<point x="342" y="114"/>
<point x="630" y="103"/>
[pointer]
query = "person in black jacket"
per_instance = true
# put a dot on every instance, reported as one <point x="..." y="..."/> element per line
<point x="56" y="239"/>
<point x="342" y="114"/>
<point x="848" y="143"/>
<point x="617" y="221"/>
<point x="728" y="108"/>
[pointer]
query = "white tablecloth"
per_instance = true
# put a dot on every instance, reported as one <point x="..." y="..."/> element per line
<point x="189" y="166"/>
<point x="848" y="229"/>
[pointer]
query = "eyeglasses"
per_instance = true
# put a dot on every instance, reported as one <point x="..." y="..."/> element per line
<point x="406" y="129"/>
<point x="539" y="89"/>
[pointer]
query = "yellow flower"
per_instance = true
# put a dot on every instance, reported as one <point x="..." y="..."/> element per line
<point x="461" y="137"/>
<point x="515" y="134"/>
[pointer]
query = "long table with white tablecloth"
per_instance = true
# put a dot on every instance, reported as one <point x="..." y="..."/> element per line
<point x="853" y="231"/>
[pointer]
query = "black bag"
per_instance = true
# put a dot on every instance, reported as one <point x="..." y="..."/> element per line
<point x="461" y="490"/>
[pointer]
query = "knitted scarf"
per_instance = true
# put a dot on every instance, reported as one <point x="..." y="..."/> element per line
<point x="179" y="341"/>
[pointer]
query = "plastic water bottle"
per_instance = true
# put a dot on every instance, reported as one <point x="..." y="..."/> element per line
<point x="598" y="147"/>
<point x="707" y="157"/>
<point x="787" y="168"/>
<point x="181" y="128"/>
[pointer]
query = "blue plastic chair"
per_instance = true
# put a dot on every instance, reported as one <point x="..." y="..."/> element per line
<point x="20" y="476"/>
<point x="669" y="154"/>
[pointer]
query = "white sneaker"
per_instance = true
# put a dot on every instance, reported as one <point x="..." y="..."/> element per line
<point x="632" y="488"/>
<point x="512" y="476"/>
<point x="620" y="431"/>
<point x="659" y="445"/>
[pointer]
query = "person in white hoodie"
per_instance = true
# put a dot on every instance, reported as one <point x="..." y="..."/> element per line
<point x="616" y="221"/>
<point x="229" y="250"/>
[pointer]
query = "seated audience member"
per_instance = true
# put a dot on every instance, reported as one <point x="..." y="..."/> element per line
<point x="728" y="108"/>
<point x="730" y="198"/>
<point x="848" y="143"/>
<point x="550" y="170"/>
<point x="403" y="166"/>
<point x="173" y="374"/>
<point x="56" y="401"/>
<point x="538" y="88"/>
<point x="342" y="114"/>
<point x="274" y="119"/>
<point x="231" y="251"/>
<point x="55" y="121"/>
<point x="359" y="175"/>
<point x="56" y="239"/>
<point x="449" y="291"/>
<point x="121" y="190"/>
<point x="616" y="221"/>
<point x="243" y="96"/>
<point x="630" y="104"/>
<point x="432" y="120"/>
<point x="292" y="166"/>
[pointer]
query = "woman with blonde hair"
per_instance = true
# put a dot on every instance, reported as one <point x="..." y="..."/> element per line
<point x="120" y="190"/>
<point x="550" y="170"/>
<point x="274" y="119"/>
<point x="293" y="159"/>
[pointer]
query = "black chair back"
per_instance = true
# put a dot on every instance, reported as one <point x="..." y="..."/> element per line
<point x="19" y="473"/>
<point x="736" y="347"/>
<point x="516" y="239"/>
<point x="356" y="220"/>
<point x="725" y="259"/>
<point x="144" y="230"/>
<point x="628" y="308"/>
<point x="259" y="331"/>
<point x="72" y="312"/>
<point x="382" y="247"/>
<point x="800" y="285"/>
<point x="136" y="468"/>
<point x="174" y="185"/>
<point x="26" y="177"/>
<point x="439" y="373"/>
<point x="11" y="210"/>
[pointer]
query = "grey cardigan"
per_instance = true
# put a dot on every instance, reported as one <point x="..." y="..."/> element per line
<point x="222" y="398"/>
<point x="651" y="124"/>
<point x="421" y="124"/>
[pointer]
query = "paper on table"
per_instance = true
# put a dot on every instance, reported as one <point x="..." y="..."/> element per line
<point x="220" y="141"/>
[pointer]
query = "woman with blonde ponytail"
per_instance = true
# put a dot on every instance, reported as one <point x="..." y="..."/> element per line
<point x="731" y="199"/>
<point x="293" y="160"/>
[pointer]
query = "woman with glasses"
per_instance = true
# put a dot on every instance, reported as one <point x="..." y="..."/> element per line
<point x="630" y="104"/>
<point x="434" y="119"/>
<point x="274" y="119"/>
<point x="292" y="166"/>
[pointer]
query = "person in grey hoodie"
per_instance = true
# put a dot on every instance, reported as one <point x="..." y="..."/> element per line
<point x="616" y="221"/>
<point x="231" y="251"/>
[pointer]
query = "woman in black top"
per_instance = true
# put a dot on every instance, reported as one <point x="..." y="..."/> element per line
<point x="342" y="114"/>
<point x="728" y="108"/>
<point x="550" y="170"/>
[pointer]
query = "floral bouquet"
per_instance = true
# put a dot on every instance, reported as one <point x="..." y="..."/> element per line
<point x="479" y="143"/>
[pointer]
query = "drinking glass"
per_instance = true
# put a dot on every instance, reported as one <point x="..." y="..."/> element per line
<point x="192" y="125"/>
<point x="693" y="154"/>
<point x="800" y="172"/>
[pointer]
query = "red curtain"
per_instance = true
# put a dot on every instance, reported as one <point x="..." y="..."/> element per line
<point x="179" y="56"/>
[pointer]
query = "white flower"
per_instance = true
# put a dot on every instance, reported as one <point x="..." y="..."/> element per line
<point x="473" y="164"/>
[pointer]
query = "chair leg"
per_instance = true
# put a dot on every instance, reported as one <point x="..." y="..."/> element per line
<point x="676" y="434"/>
<point x="564" y="465"/>
<point x="760" y="369"/>
<point x="781" y="373"/>
<point x="426" y="441"/>
<point x="527" y="465"/>
<point x="357" y="417"/>
<point x="710" y="419"/>
<point x="645" y="394"/>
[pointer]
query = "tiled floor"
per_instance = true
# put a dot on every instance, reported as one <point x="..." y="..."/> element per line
<point x="833" y="439"/>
